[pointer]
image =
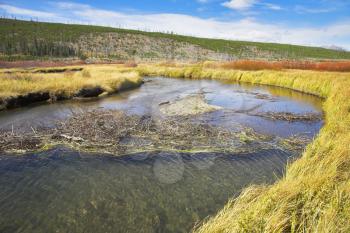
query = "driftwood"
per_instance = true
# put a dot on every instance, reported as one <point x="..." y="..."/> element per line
<point x="288" y="116"/>
<point x="117" y="133"/>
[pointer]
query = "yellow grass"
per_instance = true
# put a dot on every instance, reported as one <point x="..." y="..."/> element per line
<point x="22" y="82"/>
<point x="314" y="194"/>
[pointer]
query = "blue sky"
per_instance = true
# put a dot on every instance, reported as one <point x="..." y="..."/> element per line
<point x="319" y="23"/>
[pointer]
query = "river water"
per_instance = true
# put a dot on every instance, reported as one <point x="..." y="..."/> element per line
<point x="62" y="190"/>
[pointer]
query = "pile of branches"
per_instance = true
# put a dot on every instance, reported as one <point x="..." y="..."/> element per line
<point x="115" y="132"/>
<point x="291" y="117"/>
<point x="19" y="142"/>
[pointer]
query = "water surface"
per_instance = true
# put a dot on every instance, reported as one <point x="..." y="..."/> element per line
<point x="61" y="190"/>
<point x="239" y="103"/>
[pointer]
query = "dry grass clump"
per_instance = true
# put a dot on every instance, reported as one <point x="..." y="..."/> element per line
<point x="67" y="84"/>
<point x="172" y="64"/>
<point x="338" y="66"/>
<point x="168" y="64"/>
<point x="130" y="64"/>
<point x="314" y="194"/>
<point x="86" y="73"/>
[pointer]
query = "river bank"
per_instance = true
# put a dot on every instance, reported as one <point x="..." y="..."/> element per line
<point x="21" y="87"/>
<point x="313" y="196"/>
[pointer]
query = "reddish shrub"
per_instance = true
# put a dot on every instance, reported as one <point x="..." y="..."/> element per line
<point x="340" y="66"/>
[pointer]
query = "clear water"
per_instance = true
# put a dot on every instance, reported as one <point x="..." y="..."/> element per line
<point x="235" y="98"/>
<point x="66" y="191"/>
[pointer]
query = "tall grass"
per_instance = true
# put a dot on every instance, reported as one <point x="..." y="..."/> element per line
<point x="67" y="83"/>
<point x="314" y="194"/>
<point x="338" y="66"/>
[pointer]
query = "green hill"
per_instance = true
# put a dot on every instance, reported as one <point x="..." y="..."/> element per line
<point x="32" y="40"/>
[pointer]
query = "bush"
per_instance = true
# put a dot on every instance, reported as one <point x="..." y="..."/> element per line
<point x="339" y="66"/>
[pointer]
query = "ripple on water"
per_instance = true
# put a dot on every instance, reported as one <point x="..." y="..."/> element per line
<point x="66" y="191"/>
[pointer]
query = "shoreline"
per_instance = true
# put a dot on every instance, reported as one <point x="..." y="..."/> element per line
<point x="22" y="88"/>
<point x="304" y="198"/>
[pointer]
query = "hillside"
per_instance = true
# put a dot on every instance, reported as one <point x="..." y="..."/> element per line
<point x="26" y="40"/>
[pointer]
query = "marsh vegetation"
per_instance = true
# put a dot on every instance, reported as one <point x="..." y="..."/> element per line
<point x="313" y="195"/>
<point x="184" y="135"/>
<point x="23" y="87"/>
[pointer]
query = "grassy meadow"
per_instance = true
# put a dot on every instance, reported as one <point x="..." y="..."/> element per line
<point x="314" y="194"/>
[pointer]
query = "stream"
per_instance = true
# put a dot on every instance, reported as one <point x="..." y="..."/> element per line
<point x="63" y="190"/>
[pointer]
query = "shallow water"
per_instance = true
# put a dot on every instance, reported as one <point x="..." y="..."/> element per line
<point x="239" y="103"/>
<point x="65" y="191"/>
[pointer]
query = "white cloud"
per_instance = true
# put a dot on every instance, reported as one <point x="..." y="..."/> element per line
<point x="272" y="6"/>
<point x="303" y="10"/>
<point x="239" y="4"/>
<point x="245" y="5"/>
<point x="70" y="5"/>
<point x="247" y="29"/>
<point x="26" y="12"/>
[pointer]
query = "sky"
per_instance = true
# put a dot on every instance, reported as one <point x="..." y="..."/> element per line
<point x="322" y="23"/>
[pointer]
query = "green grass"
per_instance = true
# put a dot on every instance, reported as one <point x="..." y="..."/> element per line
<point x="12" y="32"/>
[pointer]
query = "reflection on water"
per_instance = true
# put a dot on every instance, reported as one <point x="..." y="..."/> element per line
<point x="64" y="191"/>
<point x="283" y="93"/>
<point x="239" y="102"/>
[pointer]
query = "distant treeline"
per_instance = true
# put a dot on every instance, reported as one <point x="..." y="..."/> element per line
<point x="37" y="48"/>
<point x="37" y="40"/>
